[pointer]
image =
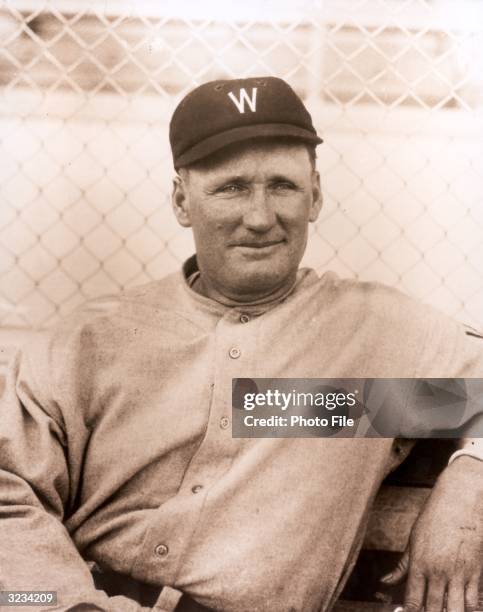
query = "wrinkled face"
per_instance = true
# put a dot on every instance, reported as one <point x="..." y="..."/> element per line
<point x="249" y="208"/>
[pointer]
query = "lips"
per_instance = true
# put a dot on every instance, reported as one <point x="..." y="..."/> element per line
<point x="258" y="245"/>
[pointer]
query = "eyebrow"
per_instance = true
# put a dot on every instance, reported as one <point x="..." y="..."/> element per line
<point x="283" y="177"/>
<point x="233" y="178"/>
<point x="239" y="178"/>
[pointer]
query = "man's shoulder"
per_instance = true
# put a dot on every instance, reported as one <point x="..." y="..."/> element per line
<point x="371" y="297"/>
<point x="104" y="329"/>
<point x="375" y="309"/>
<point x="156" y="294"/>
<point x="384" y="321"/>
<point x="128" y="308"/>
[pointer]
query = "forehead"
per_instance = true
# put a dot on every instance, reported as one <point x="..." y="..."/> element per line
<point x="256" y="155"/>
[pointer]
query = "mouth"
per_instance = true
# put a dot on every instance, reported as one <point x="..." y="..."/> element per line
<point x="258" y="245"/>
<point x="258" y="250"/>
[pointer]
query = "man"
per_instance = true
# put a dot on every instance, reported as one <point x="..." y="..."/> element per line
<point x="115" y="436"/>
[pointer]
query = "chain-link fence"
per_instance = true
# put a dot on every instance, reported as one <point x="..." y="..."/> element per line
<point x="87" y="89"/>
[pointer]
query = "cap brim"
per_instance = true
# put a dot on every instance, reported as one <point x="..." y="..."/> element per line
<point x="215" y="143"/>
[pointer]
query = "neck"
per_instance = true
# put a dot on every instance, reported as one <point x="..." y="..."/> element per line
<point x="242" y="301"/>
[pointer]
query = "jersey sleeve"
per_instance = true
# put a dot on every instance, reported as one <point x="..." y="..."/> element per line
<point x="447" y="401"/>
<point x="40" y="471"/>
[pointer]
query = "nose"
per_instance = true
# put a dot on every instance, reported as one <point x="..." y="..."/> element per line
<point x="259" y="215"/>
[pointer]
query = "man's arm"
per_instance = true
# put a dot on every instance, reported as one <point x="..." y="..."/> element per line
<point x="37" y="470"/>
<point x="445" y="553"/>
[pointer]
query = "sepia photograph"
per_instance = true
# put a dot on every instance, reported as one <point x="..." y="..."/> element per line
<point x="228" y="231"/>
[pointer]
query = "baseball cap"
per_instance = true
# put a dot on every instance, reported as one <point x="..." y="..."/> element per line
<point x="219" y="113"/>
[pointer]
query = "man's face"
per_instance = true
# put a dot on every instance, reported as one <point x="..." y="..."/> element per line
<point x="249" y="207"/>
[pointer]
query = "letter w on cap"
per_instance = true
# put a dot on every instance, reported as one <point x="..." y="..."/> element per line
<point x="240" y="102"/>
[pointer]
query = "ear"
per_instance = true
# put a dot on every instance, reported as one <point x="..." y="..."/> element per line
<point x="317" y="198"/>
<point x="180" y="201"/>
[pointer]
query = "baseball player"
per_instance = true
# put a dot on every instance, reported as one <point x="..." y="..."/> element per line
<point x="115" y="437"/>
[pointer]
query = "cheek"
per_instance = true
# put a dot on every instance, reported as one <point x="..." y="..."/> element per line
<point x="210" y="215"/>
<point x="216" y="226"/>
<point x="296" y="217"/>
<point x="211" y="232"/>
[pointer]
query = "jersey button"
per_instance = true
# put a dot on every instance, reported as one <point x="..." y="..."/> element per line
<point x="234" y="352"/>
<point x="224" y="422"/>
<point x="161" y="550"/>
<point x="196" y="488"/>
<point x="244" y="318"/>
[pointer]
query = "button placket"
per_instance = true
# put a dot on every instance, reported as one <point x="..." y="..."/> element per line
<point x="217" y="450"/>
<point x="228" y="359"/>
<point x="211" y="460"/>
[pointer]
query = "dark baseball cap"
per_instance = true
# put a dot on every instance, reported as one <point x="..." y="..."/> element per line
<point x="219" y="113"/>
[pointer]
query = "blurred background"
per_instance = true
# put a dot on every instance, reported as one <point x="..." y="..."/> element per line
<point x="87" y="89"/>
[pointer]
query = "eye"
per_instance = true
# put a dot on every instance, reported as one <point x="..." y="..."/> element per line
<point x="282" y="186"/>
<point x="231" y="188"/>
